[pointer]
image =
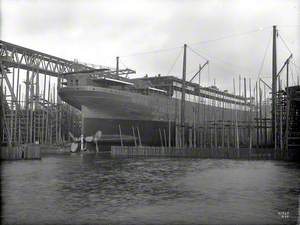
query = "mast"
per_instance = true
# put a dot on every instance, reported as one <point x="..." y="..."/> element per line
<point x="183" y="96"/>
<point x="274" y="86"/>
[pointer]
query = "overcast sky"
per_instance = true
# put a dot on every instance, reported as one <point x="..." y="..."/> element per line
<point x="98" y="31"/>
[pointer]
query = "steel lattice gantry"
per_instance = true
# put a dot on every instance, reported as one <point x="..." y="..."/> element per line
<point x="12" y="55"/>
<point x="25" y="120"/>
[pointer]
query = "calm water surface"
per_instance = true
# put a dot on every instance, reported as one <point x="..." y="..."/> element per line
<point x="97" y="189"/>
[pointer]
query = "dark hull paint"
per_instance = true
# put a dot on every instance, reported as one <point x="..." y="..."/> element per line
<point x="149" y="130"/>
<point x="105" y="109"/>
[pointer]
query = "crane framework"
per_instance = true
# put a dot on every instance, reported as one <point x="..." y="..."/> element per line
<point x="32" y="115"/>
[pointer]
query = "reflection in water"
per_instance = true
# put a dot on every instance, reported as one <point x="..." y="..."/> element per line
<point x="97" y="189"/>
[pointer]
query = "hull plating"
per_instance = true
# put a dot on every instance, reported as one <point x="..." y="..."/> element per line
<point x="105" y="109"/>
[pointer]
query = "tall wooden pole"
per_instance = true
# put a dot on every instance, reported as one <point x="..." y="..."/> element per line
<point x="121" y="138"/>
<point x="169" y="131"/>
<point x="37" y="108"/>
<point x="139" y="135"/>
<point x="183" y="97"/>
<point x="165" y="137"/>
<point x="31" y="107"/>
<point x="17" y="103"/>
<point x="245" y="107"/>
<point x="260" y="113"/>
<point x="223" y="112"/>
<point x="117" y="66"/>
<point x="176" y="105"/>
<point x="27" y="105"/>
<point x="274" y="86"/>
<point x="19" y="117"/>
<point x="160" y="137"/>
<point x="265" y="116"/>
<point x="59" y="109"/>
<point x="56" y="113"/>
<point x="257" y="124"/>
<point x="236" y="121"/>
<point x="214" y="119"/>
<point x="12" y="111"/>
<point x="280" y="118"/>
<point x="47" y="114"/>
<point x="287" y="112"/>
<point x="43" y="111"/>
<point x="240" y="81"/>
<point x="250" y="119"/>
<point x="199" y="102"/>
<point x="194" y="126"/>
<point x="204" y="123"/>
<point x="169" y="115"/>
<point x="133" y="133"/>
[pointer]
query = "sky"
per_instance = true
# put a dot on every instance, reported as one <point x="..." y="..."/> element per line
<point x="233" y="35"/>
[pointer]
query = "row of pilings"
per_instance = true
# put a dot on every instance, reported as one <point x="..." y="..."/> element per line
<point x="31" y="111"/>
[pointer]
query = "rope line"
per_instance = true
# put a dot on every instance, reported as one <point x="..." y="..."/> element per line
<point x="196" y="43"/>
<point x="151" y="52"/>
<point x="217" y="60"/>
<point x="230" y="35"/>
<point x="174" y="63"/>
<point x="197" y="53"/>
<point x="264" y="58"/>
<point x="285" y="44"/>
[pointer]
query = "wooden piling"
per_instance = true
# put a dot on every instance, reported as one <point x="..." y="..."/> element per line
<point x="121" y="139"/>
<point x="140" y="140"/>
<point x="26" y="151"/>
<point x="236" y="120"/>
<point x="43" y="110"/>
<point x="160" y="137"/>
<point x="133" y="133"/>
<point x="257" y="120"/>
<point x="31" y="108"/>
<point x="251" y="117"/>
<point x="260" y="113"/>
<point x="165" y="137"/>
<point x="287" y="112"/>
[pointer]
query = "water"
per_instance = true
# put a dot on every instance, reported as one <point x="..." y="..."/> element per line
<point x="94" y="189"/>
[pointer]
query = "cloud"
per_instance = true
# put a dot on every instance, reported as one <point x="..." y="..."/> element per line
<point x="98" y="31"/>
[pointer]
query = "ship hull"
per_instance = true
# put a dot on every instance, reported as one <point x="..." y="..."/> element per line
<point x="150" y="119"/>
<point x="146" y="132"/>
